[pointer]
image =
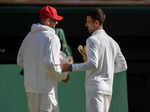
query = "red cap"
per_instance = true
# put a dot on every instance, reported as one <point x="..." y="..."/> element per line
<point x="50" y="12"/>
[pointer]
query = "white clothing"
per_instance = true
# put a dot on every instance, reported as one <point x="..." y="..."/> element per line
<point x="97" y="102"/>
<point x="39" y="57"/>
<point x="42" y="102"/>
<point x="104" y="58"/>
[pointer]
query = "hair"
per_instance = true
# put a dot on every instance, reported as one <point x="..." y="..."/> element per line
<point x="42" y="19"/>
<point x="97" y="14"/>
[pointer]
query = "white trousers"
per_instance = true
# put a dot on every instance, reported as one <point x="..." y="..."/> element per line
<point x="97" y="102"/>
<point x="42" y="102"/>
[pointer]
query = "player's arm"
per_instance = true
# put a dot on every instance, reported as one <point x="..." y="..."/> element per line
<point x="120" y="62"/>
<point x="51" y="55"/>
<point x="92" y="58"/>
<point x="52" y="60"/>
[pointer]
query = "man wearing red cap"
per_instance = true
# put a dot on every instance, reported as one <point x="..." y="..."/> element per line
<point x="39" y="55"/>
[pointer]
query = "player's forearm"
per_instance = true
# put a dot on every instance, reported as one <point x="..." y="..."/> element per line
<point x="84" y="66"/>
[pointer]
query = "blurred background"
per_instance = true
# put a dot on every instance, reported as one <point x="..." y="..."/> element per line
<point x="127" y="21"/>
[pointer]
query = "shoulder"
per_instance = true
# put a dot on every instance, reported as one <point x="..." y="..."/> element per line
<point x="54" y="39"/>
<point x="91" y="39"/>
<point x="113" y="41"/>
<point x="50" y="35"/>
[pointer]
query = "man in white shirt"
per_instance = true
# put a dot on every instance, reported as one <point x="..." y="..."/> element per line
<point x="39" y="55"/>
<point x="104" y="58"/>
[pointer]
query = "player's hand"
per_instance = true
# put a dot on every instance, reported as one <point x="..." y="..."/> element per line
<point x="65" y="67"/>
<point x="67" y="79"/>
<point x="71" y="61"/>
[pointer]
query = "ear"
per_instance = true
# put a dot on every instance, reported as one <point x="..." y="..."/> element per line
<point x="47" y="21"/>
<point x="97" y="23"/>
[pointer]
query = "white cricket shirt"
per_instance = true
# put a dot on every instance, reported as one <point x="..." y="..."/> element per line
<point x="104" y="58"/>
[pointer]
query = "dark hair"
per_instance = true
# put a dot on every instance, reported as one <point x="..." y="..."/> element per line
<point x="97" y="14"/>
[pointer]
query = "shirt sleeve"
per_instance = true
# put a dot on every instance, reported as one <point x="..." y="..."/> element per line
<point x="53" y="60"/>
<point x="120" y="62"/>
<point x="51" y="55"/>
<point x="92" y="57"/>
<point x="55" y="54"/>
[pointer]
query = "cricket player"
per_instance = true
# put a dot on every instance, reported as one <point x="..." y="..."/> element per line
<point x="104" y="58"/>
<point x="40" y="56"/>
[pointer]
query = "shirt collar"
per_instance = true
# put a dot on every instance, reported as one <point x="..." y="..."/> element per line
<point x="52" y="29"/>
<point x="40" y="27"/>
<point x="98" y="31"/>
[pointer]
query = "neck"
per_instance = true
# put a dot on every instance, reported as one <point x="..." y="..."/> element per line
<point x="100" y="27"/>
<point x="43" y="23"/>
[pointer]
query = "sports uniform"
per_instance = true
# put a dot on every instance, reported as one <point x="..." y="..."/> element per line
<point x="104" y="58"/>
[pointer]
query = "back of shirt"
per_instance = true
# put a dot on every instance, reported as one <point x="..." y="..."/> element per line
<point x="33" y="70"/>
<point x="105" y="51"/>
<point x="39" y="53"/>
